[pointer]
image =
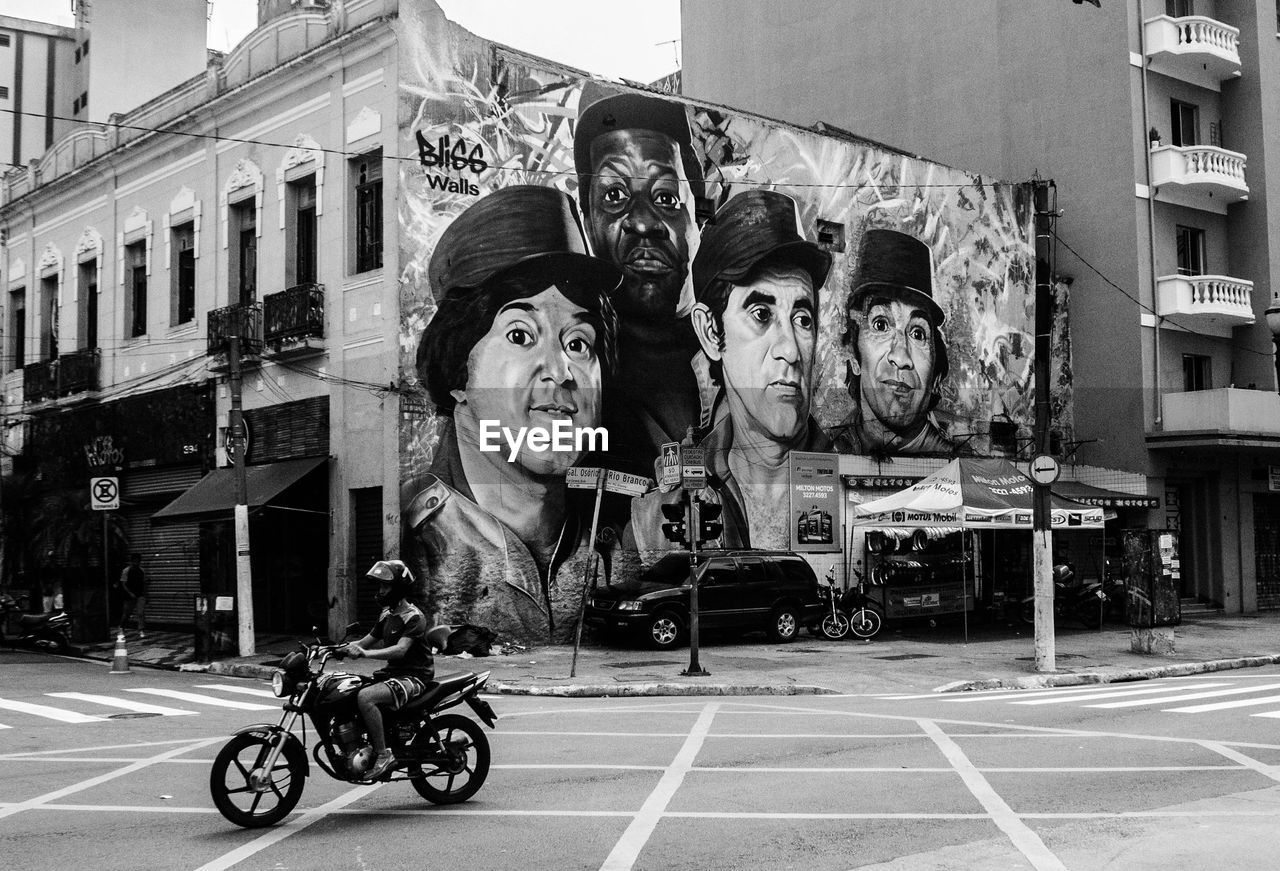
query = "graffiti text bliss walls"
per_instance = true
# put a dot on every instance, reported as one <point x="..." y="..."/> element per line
<point x="579" y="255"/>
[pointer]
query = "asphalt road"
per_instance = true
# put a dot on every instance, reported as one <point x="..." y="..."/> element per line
<point x="1178" y="773"/>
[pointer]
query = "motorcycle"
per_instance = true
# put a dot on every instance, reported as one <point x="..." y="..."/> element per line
<point x="50" y="631"/>
<point x="1085" y="602"/>
<point x="258" y="776"/>
<point x="851" y="611"/>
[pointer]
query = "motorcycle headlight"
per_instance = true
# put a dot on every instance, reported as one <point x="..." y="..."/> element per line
<point x="281" y="685"/>
<point x="629" y="606"/>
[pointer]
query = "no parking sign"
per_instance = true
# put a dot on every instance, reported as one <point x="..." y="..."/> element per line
<point x="104" y="494"/>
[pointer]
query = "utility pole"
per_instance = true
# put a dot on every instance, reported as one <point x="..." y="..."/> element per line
<point x="1042" y="530"/>
<point x="236" y="446"/>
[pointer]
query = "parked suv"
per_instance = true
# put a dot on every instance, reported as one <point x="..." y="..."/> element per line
<point x="737" y="589"/>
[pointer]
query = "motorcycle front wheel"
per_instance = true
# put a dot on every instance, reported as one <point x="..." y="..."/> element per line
<point x="250" y="796"/>
<point x="462" y="775"/>
<point x="865" y="623"/>
<point x="835" y="626"/>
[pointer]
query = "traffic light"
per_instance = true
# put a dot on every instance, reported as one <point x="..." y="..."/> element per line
<point x="709" y="527"/>
<point x="675" y="529"/>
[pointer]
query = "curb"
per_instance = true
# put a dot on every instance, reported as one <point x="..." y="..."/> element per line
<point x="1100" y="677"/>
<point x="606" y="691"/>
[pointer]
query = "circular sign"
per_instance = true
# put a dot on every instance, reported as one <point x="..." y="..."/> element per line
<point x="1045" y="469"/>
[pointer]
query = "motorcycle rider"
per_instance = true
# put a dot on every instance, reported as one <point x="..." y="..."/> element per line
<point x="399" y="637"/>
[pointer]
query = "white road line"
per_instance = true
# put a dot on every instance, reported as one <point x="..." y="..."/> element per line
<point x="1262" y="768"/>
<point x="1219" y="706"/>
<point x="60" y="714"/>
<point x="3" y="726"/>
<point x="1181" y="697"/>
<point x="1064" y="692"/>
<point x="30" y="803"/>
<point x="234" y="688"/>
<point x="113" y="702"/>
<point x="1022" y="835"/>
<point x="1115" y="694"/>
<point x="197" y="698"/>
<point x="627" y="849"/>
<point x="283" y="831"/>
<point x="1273" y="715"/>
<point x="32" y="754"/>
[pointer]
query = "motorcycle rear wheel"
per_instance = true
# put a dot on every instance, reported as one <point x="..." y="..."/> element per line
<point x="230" y="781"/>
<point x="835" y="626"/>
<point x="463" y="776"/>
<point x="865" y="623"/>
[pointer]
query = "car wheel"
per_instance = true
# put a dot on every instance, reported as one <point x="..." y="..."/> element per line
<point x="665" y="630"/>
<point x="784" y="625"/>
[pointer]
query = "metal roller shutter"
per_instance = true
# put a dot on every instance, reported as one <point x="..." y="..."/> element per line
<point x="171" y="553"/>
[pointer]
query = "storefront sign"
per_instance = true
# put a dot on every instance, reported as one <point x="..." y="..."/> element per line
<point x="815" y="502"/>
<point x="881" y="482"/>
<point x="1273" y="477"/>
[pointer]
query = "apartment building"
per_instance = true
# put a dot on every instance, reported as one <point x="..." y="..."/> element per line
<point x="249" y="200"/>
<point x="36" y="87"/>
<point x="1156" y="119"/>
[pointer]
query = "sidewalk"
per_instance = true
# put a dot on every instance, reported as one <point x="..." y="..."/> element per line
<point x="902" y="659"/>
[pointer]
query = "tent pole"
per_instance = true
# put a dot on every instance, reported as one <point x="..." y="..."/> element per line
<point x="964" y="579"/>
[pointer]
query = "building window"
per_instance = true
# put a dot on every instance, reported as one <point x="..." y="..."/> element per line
<point x="135" y="282"/>
<point x="301" y="232"/>
<point x="1197" y="372"/>
<point x="1179" y="8"/>
<point x="18" y="327"/>
<point x="4" y="40"/>
<point x="4" y="92"/>
<point x="1185" y="122"/>
<point x="88" y="307"/>
<point x="243" y="228"/>
<point x="84" y="100"/>
<point x="49" y="318"/>
<point x="183" y="274"/>
<point x="1190" y="251"/>
<point x="367" y="190"/>
<point x="75" y="106"/>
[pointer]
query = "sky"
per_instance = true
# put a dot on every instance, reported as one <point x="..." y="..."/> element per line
<point x="605" y="37"/>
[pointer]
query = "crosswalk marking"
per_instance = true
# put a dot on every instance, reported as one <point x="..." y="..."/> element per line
<point x="1067" y="692"/>
<point x="1102" y="694"/>
<point x="59" y="714"/>
<point x="233" y="688"/>
<point x="1219" y="706"/>
<point x="127" y="704"/>
<point x="1186" y="697"/>
<point x="197" y="698"/>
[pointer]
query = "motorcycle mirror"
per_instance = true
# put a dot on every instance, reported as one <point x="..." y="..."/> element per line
<point x="352" y="629"/>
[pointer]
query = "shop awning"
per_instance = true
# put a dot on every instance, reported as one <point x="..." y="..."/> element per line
<point x="213" y="497"/>
<point x="1091" y="495"/>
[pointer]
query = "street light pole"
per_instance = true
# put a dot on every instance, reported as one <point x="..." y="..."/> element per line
<point x="1273" y="324"/>
<point x="236" y="444"/>
<point x="1042" y="531"/>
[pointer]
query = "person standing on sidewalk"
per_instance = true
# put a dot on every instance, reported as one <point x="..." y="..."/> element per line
<point x="133" y="587"/>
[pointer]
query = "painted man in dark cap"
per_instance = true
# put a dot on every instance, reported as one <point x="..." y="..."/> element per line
<point x="638" y="179"/>
<point x="756" y="281"/>
<point x="523" y="336"/>
<point x="894" y="330"/>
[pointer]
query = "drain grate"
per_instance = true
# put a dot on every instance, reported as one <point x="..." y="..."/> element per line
<point x="134" y="716"/>
<point x="648" y="664"/>
<point x="908" y="656"/>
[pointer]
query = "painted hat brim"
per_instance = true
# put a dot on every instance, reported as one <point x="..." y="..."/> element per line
<point x="808" y="256"/>
<point x="923" y="299"/>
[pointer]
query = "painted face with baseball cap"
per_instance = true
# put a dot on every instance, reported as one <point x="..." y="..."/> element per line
<point x="756" y="281"/>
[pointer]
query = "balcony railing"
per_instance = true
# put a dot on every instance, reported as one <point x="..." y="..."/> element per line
<point x="69" y="374"/>
<point x="293" y="320"/>
<point x="243" y="320"/>
<point x="1211" y="299"/>
<point x="1200" y="176"/>
<point x="1194" y="48"/>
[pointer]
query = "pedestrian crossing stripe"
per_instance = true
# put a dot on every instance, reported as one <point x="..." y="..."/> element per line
<point x="1074" y="693"/>
<point x="234" y="688"/>
<point x="60" y="714"/>
<point x="1191" y="696"/>
<point x="200" y="699"/>
<point x="126" y="704"/>
<point x="1219" y="706"/>
<point x="1109" y="694"/>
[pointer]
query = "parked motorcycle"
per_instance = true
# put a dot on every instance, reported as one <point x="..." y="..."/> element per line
<point x="258" y="776"/>
<point x="850" y="611"/>
<point x="50" y="631"/>
<point x="1085" y="602"/>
